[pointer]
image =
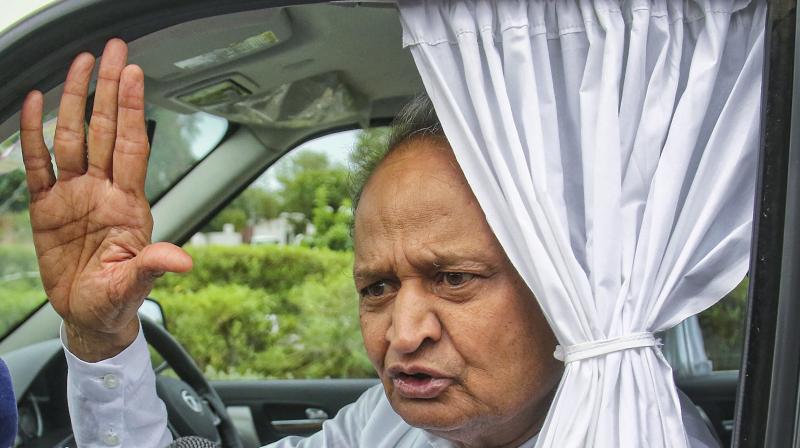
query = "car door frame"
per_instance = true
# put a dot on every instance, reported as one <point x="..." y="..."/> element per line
<point x="767" y="396"/>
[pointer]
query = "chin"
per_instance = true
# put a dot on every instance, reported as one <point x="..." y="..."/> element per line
<point x="438" y="415"/>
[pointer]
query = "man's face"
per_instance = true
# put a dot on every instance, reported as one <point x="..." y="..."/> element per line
<point x="455" y="335"/>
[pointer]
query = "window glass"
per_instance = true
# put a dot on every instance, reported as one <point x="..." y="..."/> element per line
<point x="179" y="142"/>
<point x="272" y="285"/>
<point x="723" y="329"/>
<point x="710" y="341"/>
<point x="20" y="287"/>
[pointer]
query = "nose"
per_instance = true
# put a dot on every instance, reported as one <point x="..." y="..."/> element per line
<point x="414" y="321"/>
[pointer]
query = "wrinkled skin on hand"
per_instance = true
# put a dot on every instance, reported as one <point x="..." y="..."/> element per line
<point x="92" y="225"/>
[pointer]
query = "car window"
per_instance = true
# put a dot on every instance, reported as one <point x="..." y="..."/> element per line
<point x="271" y="287"/>
<point x="710" y="341"/>
<point x="20" y="287"/>
<point x="723" y="329"/>
<point x="179" y="142"/>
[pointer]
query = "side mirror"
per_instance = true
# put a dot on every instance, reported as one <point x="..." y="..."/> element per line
<point x="152" y="311"/>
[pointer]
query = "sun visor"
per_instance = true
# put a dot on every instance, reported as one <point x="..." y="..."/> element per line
<point x="308" y="102"/>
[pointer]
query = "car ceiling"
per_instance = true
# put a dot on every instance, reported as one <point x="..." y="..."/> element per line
<point x="364" y="44"/>
<point x="359" y="45"/>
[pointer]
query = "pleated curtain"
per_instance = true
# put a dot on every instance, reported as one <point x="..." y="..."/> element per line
<point x="612" y="146"/>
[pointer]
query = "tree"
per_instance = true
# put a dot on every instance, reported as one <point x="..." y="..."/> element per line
<point x="259" y="204"/>
<point x="301" y="161"/>
<point x="299" y="193"/>
<point x="303" y="175"/>
<point x="332" y="225"/>
<point x="251" y="206"/>
<point x="310" y="184"/>
<point x="228" y="215"/>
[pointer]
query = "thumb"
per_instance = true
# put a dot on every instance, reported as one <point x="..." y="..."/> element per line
<point x="158" y="258"/>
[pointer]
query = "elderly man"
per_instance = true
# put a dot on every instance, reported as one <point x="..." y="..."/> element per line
<point x="462" y="350"/>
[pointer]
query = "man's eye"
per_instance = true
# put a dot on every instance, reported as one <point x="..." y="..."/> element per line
<point x="376" y="289"/>
<point x="457" y="278"/>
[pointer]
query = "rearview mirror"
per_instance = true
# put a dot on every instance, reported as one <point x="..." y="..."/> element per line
<point x="152" y="310"/>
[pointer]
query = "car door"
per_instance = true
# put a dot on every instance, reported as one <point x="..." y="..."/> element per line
<point x="267" y="410"/>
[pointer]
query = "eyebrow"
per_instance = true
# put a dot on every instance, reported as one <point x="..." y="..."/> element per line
<point x="372" y="274"/>
<point x="438" y="260"/>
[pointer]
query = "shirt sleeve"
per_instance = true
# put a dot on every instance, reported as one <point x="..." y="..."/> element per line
<point x="113" y="403"/>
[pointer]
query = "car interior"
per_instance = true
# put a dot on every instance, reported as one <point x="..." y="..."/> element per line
<point x="280" y="74"/>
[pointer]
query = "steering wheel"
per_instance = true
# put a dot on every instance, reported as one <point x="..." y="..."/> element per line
<point x="194" y="407"/>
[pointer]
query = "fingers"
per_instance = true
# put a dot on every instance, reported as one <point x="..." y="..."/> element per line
<point x="103" y="124"/>
<point x="131" y="149"/>
<point x="35" y="156"/>
<point x="69" y="138"/>
<point x="156" y="259"/>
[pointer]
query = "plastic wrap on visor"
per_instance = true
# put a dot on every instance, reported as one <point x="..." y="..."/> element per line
<point x="307" y="102"/>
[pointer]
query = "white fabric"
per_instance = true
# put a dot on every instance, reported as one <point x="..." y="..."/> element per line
<point x="612" y="146"/>
<point x="594" y="349"/>
<point x="139" y="420"/>
<point x="138" y="417"/>
<point x="129" y="412"/>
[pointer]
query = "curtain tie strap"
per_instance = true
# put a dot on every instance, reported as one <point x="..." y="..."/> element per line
<point x="599" y="348"/>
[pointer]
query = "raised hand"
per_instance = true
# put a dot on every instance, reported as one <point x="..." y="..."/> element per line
<point x="92" y="226"/>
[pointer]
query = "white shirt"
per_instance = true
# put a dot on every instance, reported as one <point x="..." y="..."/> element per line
<point x="114" y="403"/>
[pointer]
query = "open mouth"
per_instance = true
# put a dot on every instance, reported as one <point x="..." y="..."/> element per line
<point x="419" y="385"/>
<point x="413" y="376"/>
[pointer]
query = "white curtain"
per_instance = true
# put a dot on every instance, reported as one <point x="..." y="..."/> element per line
<point x="612" y="146"/>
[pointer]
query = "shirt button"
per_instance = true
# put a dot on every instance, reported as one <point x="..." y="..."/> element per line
<point x="110" y="381"/>
<point x="111" y="438"/>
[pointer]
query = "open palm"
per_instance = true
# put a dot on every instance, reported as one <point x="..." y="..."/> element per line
<point x="92" y="226"/>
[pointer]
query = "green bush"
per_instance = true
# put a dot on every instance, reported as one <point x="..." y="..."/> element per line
<point x="18" y="259"/>
<point x="274" y="269"/>
<point x="267" y="312"/>
<point x="20" y="286"/>
<point x="329" y="336"/>
<point x="17" y="299"/>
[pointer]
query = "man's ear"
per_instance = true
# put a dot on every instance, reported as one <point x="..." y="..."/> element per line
<point x="8" y="408"/>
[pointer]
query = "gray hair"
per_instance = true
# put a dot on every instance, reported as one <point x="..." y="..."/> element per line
<point x="417" y="119"/>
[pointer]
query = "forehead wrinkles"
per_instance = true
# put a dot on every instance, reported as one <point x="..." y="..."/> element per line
<point x="424" y="218"/>
<point x="417" y="197"/>
<point x="421" y="233"/>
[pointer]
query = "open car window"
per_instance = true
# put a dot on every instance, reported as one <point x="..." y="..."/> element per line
<point x="272" y="283"/>
<point x="180" y="141"/>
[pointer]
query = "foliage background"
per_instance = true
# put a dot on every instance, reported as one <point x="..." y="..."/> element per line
<point x="267" y="312"/>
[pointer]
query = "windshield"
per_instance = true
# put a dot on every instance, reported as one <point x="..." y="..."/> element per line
<point x="178" y="143"/>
